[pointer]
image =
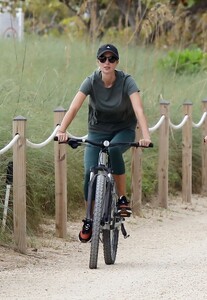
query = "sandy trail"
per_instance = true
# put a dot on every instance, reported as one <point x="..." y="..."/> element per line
<point x="165" y="257"/>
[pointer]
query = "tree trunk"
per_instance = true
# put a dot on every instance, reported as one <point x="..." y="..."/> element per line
<point x="92" y="5"/>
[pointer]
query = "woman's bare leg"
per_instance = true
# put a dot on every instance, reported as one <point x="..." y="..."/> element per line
<point x="120" y="184"/>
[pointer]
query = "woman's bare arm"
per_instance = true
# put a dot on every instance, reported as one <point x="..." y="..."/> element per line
<point x="139" y="112"/>
<point x="70" y="115"/>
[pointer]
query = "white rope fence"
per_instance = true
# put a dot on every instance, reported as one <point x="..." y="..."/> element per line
<point x="179" y="125"/>
<point x="10" y="145"/>
<point x="60" y="164"/>
<point x="51" y="137"/>
<point x="47" y="141"/>
<point x="201" y="120"/>
<point x="159" y="123"/>
<point x="36" y="145"/>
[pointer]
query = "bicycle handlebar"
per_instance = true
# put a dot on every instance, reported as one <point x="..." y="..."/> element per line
<point x="74" y="143"/>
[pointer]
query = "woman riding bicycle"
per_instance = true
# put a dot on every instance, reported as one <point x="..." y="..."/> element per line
<point x="115" y="108"/>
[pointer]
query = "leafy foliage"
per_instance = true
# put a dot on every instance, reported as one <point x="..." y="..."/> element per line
<point x="166" y="22"/>
<point x="188" y="61"/>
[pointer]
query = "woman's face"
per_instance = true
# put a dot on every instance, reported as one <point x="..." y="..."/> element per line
<point x="107" y="62"/>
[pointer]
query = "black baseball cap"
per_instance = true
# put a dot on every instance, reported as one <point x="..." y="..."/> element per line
<point x="108" y="48"/>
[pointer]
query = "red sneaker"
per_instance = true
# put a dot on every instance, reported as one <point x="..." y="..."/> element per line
<point x="86" y="232"/>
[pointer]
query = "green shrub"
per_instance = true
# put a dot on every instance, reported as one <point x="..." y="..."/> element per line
<point x="188" y="61"/>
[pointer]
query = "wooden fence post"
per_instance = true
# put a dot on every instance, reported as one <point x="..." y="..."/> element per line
<point x="204" y="152"/>
<point x="187" y="154"/>
<point x="163" y="156"/>
<point x="136" y="177"/>
<point x="19" y="184"/>
<point x="60" y="153"/>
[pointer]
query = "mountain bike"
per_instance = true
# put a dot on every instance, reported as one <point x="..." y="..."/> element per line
<point x="102" y="202"/>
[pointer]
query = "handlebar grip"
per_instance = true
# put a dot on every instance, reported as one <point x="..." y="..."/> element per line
<point x="136" y="144"/>
<point x="56" y="140"/>
<point x="150" y="146"/>
<point x="73" y="143"/>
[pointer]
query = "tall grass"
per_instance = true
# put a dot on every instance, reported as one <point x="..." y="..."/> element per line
<point x="40" y="74"/>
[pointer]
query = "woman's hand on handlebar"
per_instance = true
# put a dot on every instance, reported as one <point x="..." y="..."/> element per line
<point x="144" y="142"/>
<point x="62" y="136"/>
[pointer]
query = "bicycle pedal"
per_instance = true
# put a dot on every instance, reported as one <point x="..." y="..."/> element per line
<point x="124" y="213"/>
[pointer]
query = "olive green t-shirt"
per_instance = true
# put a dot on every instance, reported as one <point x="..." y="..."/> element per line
<point x="110" y="109"/>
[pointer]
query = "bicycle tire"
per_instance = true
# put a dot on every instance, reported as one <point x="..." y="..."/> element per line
<point x="110" y="245"/>
<point x="97" y="215"/>
<point x="111" y="236"/>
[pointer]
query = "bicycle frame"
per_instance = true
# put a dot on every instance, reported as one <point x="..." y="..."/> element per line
<point x="104" y="168"/>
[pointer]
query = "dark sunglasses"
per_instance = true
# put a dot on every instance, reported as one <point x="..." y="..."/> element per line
<point x="111" y="59"/>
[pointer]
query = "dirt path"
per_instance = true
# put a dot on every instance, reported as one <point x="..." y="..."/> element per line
<point x="164" y="258"/>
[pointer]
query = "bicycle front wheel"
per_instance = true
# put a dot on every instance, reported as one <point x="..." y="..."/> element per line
<point x="111" y="236"/>
<point x="97" y="215"/>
